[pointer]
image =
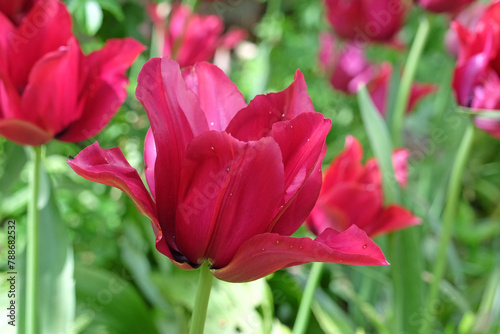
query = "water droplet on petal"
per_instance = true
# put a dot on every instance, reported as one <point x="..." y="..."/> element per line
<point x="228" y="169"/>
<point x="364" y="246"/>
<point x="212" y="123"/>
<point x="213" y="149"/>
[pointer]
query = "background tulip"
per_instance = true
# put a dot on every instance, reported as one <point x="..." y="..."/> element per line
<point x="363" y="21"/>
<point x="347" y="67"/>
<point x="188" y="37"/>
<point x="441" y="6"/>
<point x="230" y="182"/>
<point x="349" y="185"/>
<point x="48" y="87"/>
<point x="476" y="77"/>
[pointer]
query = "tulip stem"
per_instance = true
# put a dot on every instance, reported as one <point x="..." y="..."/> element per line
<point x="302" y="319"/>
<point x="448" y="220"/>
<point x="201" y="302"/>
<point x="32" y="246"/>
<point x="406" y="81"/>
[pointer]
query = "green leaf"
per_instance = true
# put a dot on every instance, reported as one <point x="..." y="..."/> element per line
<point x="56" y="286"/>
<point x="15" y="158"/>
<point x="381" y="144"/>
<point x="110" y="303"/>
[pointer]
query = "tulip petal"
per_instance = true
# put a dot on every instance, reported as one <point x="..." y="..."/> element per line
<point x="8" y="30"/>
<point x="302" y="143"/>
<point x="220" y="99"/>
<point x="342" y="206"/>
<point x="109" y="167"/>
<point x="175" y="117"/>
<point x="226" y="196"/>
<point x="346" y="167"/>
<point x="392" y="218"/>
<point x="266" y="253"/>
<point x="150" y="160"/>
<point x="23" y="132"/>
<point x="199" y="40"/>
<point x="256" y="120"/>
<point x="103" y="85"/>
<point x="10" y="101"/>
<point x="50" y="98"/>
<point x="46" y="28"/>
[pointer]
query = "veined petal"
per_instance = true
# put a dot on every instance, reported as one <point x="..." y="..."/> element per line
<point x="268" y="252"/>
<point x="302" y="143"/>
<point x="256" y="120"/>
<point x="175" y="117"/>
<point x="46" y="28"/>
<point x="226" y="196"/>
<point x="220" y="99"/>
<point x="109" y="167"/>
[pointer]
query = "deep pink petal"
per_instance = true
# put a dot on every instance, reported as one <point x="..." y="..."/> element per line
<point x="343" y="205"/>
<point x="346" y="167"/>
<point x="8" y="30"/>
<point x="490" y="125"/>
<point x="419" y="91"/>
<point x="46" y="28"/>
<point x="390" y="219"/>
<point x="175" y="117"/>
<point x="256" y="121"/>
<point x="10" y="101"/>
<point x="23" y="132"/>
<point x="150" y="160"/>
<point x="269" y="252"/>
<point x="109" y="167"/>
<point x="232" y="38"/>
<point x="103" y="87"/>
<point x="200" y="40"/>
<point x="400" y="165"/>
<point x="302" y="143"/>
<point x="220" y="99"/>
<point x="50" y="98"/>
<point x="226" y="196"/>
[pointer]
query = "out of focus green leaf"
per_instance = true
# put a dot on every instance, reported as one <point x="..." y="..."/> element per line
<point x="111" y="303"/>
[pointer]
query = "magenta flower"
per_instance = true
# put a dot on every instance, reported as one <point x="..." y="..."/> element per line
<point x="349" y="186"/>
<point x="190" y="38"/>
<point x="229" y="182"/>
<point x="476" y="80"/>
<point x="442" y="6"/>
<point x="347" y="67"/>
<point x="363" y="21"/>
<point x="48" y="87"/>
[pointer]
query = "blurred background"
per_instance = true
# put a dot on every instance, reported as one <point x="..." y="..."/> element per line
<point x="123" y="285"/>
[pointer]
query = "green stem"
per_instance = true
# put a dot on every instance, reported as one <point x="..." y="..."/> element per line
<point x="302" y="320"/>
<point x="448" y="219"/>
<point x="201" y="302"/>
<point x="32" y="246"/>
<point x="191" y="3"/>
<point x="407" y="80"/>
